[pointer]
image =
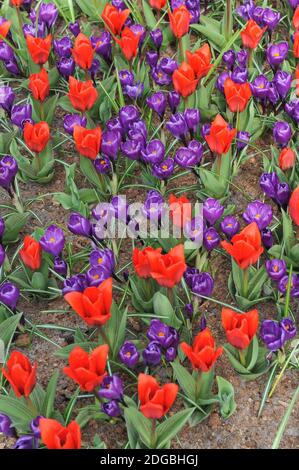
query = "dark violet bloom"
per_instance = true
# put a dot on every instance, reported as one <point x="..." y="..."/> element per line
<point x="6" y="425"/>
<point x="189" y="310"/>
<point x="187" y="158"/>
<point x="120" y="207"/>
<point x="132" y="149"/>
<point x="258" y="212"/>
<point x="270" y="18"/>
<point x="276" y="268"/>
<point x="11" y="164"/>
<point x="12" y="67"/>
<point x="5" y="178"/>
<point x="205" y="129"/>
<point x="2" y="255"/>
<point x="76" y="283"/>
<point x="74" y="28"/>
<point x="194" y="14"/>
<point x="95" y="276"/>
<point x="289" y="328"/>
<point x="127" y="115"/>
<point x="9" y="294"/>
<point x="282" y="133"/>
<point x="66" y="66"/>
<point x="62" y="47"/>
<point x="34" y="426"/>
<point x="110" y="143"/>
<point x="192" y="119"/>
<point x="277" y="53"/>
<point x="243" y="138"/>
<point x="212" y="210"/>
<point x="60" y="266"/>
<point x="152" y="58"/>
<point x="156" y="36"/>
<point x="153" y="206"/>
<point x="111" y="388"/>
<point x="283" y="194"/>
<point x="273" y="95"/>
<point x="21" y="114"/>
<point x="282" y="81"/>
<point x="189" y="275"/>
<point x="103" y="45"/>
<point x="103" y="212"/>
<point x="203" y="323"/>
<point x="102" y="165"/>
<point x="293" y="3"/>
<point x="193" y="229"/>
<point x="152" y="353"/>
<point x="268" y="184"/>
<point x="242" y="57"/>
<point x="168" y="65"/>
<point x="53" y="240"/>
<point x="6" y="52"/>
<point x="103" y="258"/>
<point x="223" y="76"/>
<point x="79" y="225"/>
<point x="272" y="335"/>
<point x="138" y="131"/>
<point x="164" y="169"/>
<point x="157" y="102"/>
<point x="163" y="334"/>
<point x="94" y="69"/>
<point x="292" y="109"/>
<point x="139" y="29"/>
<point x="48" y="14"/>
<point x="7" y="97"/>
<point x="25" y="442"/>
<point x="230" y="226"/>
<point x="111" y="409"/>
<point x="2" y="227"/>
<point x="173" y="99"/>
<point x="177" y="126"/>
<point x="126" y="77"/>
<point x="257" y="15"/>
<point x="71" y="120"/>
<point x="154" y="152"/>
<point x="239" y="75"/>
<point x="229" y="58"/>
<point x="246" y="10"/>
<point x="161" y="78"/>
<point x="259" y="87"/>
<point x="211" y="239"/>
<point x="202" y="284"/>
<point x="170" y="354"/>
<point x="128" y="354"/>
<point x="134" y="91"/>
<point x="267" y="238"/>
<point x="119" y="4"/>
<point x="283" y="285"/>
<point x="197" y="149"/>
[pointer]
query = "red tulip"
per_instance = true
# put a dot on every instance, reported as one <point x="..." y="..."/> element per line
<point x="240" y="328"/>
<point x="39" y="48"/>
<point x="17" y="3"/>
<point x="221" y="136"/>
<point x="200" y="60"/>
<point x="180" y="210"/>
<point x="36" y="136"/>
<point x="252" y="34"/>
<point x="39" y="85"/>
<point x="297" y="80"/>
<point x="93" y="304"/>
<point x="31" y="253"/>
<point x="157" y="4"/>
<point x="245" y="247"/>
<point x="202" y="354"/>
<point x="4" y="28"/>
<point x="56" y="436"/>
<point x="296" y="18"/>
<point x="155" y="401"/>
<point x="83" y="52"/>
<point x="87" y="370"/>
<point x="237" y="95"/>
<point x="128" y="43"/>
<point x="296" y="44"/>
<point x="179" y="21"/>
<point x="141" y="261"/>
<point x="294" y="206"/>
<point x="88" y="141"/>
<point x="82" y="95"/>
<point x="20" y="374"/>
<point x="286" y="159"/>
<point x="114" y="18"/>
<point x="184" y="80"/>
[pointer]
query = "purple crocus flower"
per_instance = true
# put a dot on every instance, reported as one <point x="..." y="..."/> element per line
<point x="102" y="165"/>
<point x="9" y="294"/>
<point x="282" y="133"/>
<point x="288" y="328"/>
<point x="258" y="212"/>
<point x="293" y="3"/>
<point x="171" y="354"/>
<point x="5" y="178"/>
<point x="277" y="53"/>
<point x="192" y="119"/>
<point x="282" y="81"/>
<point x="76" y="283"/>
<point x="103" y="258"/>
<point x="12" y="66"/>
<point x="240" y="74"/>
<point x="211" y="239"/>
<point x="259" y="87"/>
<point x="134" y="91"/>
<point x="60" y="266"/>
<point x="154" y="152"/>
<point x="72" y="120"/>
<point x="66" y="66"/>
<point x="7" y="97"/>
<point x="95" y="276"/>
<point x="152" y="58"/>
<point x="120" y="207"/>
<point x="74" y="28"/>
<point x="110" y="144"/>
<point x="246" y="10"/>
<point x="6" y="52"/>
<point x="188" y="157"/>
<point x="168" y="65"/>
<point x="20" y="114"/>
<point x="128" y="354"/>
<point x="79" y="225"/>
<point x="163" y="334"/>
<point x="268" y="184"/>
<point x="111" y="388"/>
<point x="103" y="45"/>
<point x="53" y="240"/>
<point x="152" y="353"/>
<point x="94" y="68"/>
<point x="111" y="409"/>
<point x="2" y="255"/>
<point x="283" y="194"/>
<point x="270" y="18"/>
<point x="193" y="229"/>
<point x="203" y="284"/>
<point x="229" y="58"/>
<point x="6" y="425"/>
<point x="173" y="100"/>
<point x="132" y="149"/>
<point x="34" y="426"/>
<point x="48" y="14"/>
<point x="127" y="115"/>
<point x="177" y="126"/>
<point x="283" y="285"/>
<point x="257" y="15"/>
<point x="25" y="442"/>
<point x="189" y="310"/>
<point x="242" y="57"/>
<point x="153" y="207"/>
<point x="156" y="36"/>
<point x="267" y="237"/>
<point x="276" y="268"/>
<point x="212" y="210"/>
<point x="157" y="102"/>
<point x="63" y="46"/>
<point x="272" y="335"/>
<point x="273" y="95"/>
<point x="161" y="78"/>
<point x="2" y="227"/>
<point x="139" y="29"/>
<point x="292" y="109"/>
<point x="230" y="226"/>
<point x="243" y="138"/>
<point x="126" y="77"/>
<point x="164" y="169"/>
<point x="11" y="164"/>
<point x="223" y="76"/>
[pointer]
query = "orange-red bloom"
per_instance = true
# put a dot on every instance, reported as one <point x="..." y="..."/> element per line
<point x="83" y="51"/>
<point x="4" y="28"/>
<point x="296" y="18"/>
<point x="240" y="328"/>
<point x="296" y="44"/>
<point x="252" y="34"/>
<point x="221" y="136"/>
<point x="88" y="141"/>
<point x="39" y="48"/>
<point x="36" y="136"/>
<point x="237" y="95"/>
<point x="180" y="210"/>
<point x="128" y="43"/>
<point x="179" y="21"/>
<point x="93" y="304"/>
<point x="17" y="3"/>
<point x="167" y="270"/>
<point x="158" y="4"/>
<point x="20" y="374"/>
<point x="184" y="80"/>
<point x="114" y="18"/>
<point x="245" y="247"/>
<point x="82" y="95"/>
<point x="286" y="158"/>
<point x="155" y="401"/>
<point x="200" y="60"/>
<point x="202" y="354"/>
<point x="56" y="436"/>
<point x="31" y="253"/>
<point x="294" y="206"/>
<point x="87" y="370"/>
<point x="297" y="80"/>
<point x="39" y="85"/>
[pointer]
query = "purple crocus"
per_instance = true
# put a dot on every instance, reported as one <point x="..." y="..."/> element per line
<point x="268" y="184"/>
<point x="132" y="149"/>
<point x="152" y="58"/>
<point x="211" y="239"/>
<point x="292" y="109"/>
<point x="95" y="276"/>
<point x="201" y="283"/>
<point x="152" y="354"/>
<point x="154" y="152"/>
<point x="63" y="46"/>
<point x="111" y="409"/>
<point x="25" y="442"/>
<point x="188" y="157"/>
<point x="48" y="14"/>
<point x="157" y="102"/>
<point x="270" y="18"/>
<point x="2" y="227"/>
<point x="126" y="77"/>
<point x="103" y="258"/>
<point x="283" y="285"/>
<point x="66" y="66"/>
<point x="222" y="77"/>
<point x="79" y="225"/>
<point x="289" y="328"/>
<point x="212" y="210"/>
<point x="72" y="120"/>
<point x="259" y="87"/>
<point x="276" y="268"/>
<point x="282" y="133"/>
<point x="242" y="57"/>
<point x="243" y="139"/>
<point x="258" y="212"/>
<point x="111" y="388"/>
<point x="192" y="119"/>
<point x="9" y="294"/>
<point x="134" y="91"/>
<point x="156" y="36"/>
<point x="6" y="425"/>
<point x="189" y="310"/>
<point x="177" y="126"/>
<point x="229" y="58"/>
<point x="128" y="354"/>
<point x="277" y="53"/>
<point x="127" y="115"/>
<point x="163" y="334"/>
<point x="283" y="194"/>
<point x="7" y="97"/>
<point x="103" y="45"/>
<point x="102" y="165"/>
<point x="160" y="78"/>
<point x="60" y="266"/>
<point x="267" y="238"/>
<point x="230" y="226"/>
<point x="110" y="144"/>
<point x="153" y="207"/>
<point x="164" y="169"/>
<point x="168" y="65"/>
<point x="173" y="99"/>
<point x="283" y="81"/>
<point x="272" y="335"/>
<point x="20" y="114"/>
<point x="2" y="255"/>
<point x="240" y="74"/>
<point x="76" y="283"/>
<point x="53" y="240"/>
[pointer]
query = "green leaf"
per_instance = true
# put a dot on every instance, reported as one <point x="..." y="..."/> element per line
<point x="8" y="328"/>
<point x="149" y="15"/>
<point x="116" y="328"/>
<point x="140" y="424"/>
<point x="64" y="352"/>
<point x="37" y="397"/>
<point x="162" y="306"/>
<point x="13" y="225"/>
<point x="48" y="404"/>
<point x="226" y="396"/>
<point x="172" y="426"/>
<point x="17" y="410"/>
<point x="288" y="234"/>
<point x="185" y="379"/>
<point x="90" y="412"/>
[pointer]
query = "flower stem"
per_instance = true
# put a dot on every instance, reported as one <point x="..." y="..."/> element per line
<point x="245" y="283"/>
<point x="153" y="434"/>
<point x="242" y="356"/>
